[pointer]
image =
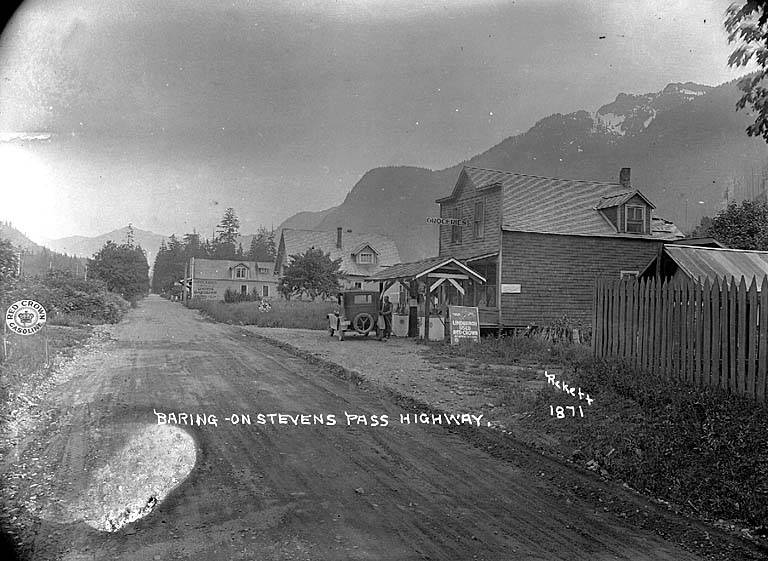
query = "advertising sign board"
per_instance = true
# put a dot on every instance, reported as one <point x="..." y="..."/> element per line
<point x="464" y="323"/>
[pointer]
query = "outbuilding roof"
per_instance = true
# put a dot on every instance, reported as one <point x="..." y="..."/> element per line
<point x="702" y="263"/>
<point x="299" y="241"/>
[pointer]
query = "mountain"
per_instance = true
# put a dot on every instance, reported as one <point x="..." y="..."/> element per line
<point x="686" y="145"/>
<point x="18" y="239"/>
<point x="84" y="246"/>
<point x="37" y="259"/>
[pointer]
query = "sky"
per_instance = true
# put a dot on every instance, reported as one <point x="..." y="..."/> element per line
<point x="163" y="114"/>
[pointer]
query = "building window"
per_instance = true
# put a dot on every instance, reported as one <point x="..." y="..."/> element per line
<point x="365" y="257"/>
<point x="479" y="224"/>
<point x="628" y="275"/>
<point x="241" y="272"/>
<point x="265" y="291"/>
<point x="263" y="270"/>
<point x="243" y="289"/>
<point x="456" y="229"/>
<point x="635" y="219"/>
<point x="358" y="285"/>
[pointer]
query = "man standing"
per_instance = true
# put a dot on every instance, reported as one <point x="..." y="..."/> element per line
<point x="386" y="311"/>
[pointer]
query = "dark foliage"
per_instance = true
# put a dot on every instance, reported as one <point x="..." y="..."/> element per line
<point x="312" y="274"/>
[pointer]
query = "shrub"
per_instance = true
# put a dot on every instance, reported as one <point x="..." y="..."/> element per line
<point x="283" y="313"/>
<point x="63" y="295"/>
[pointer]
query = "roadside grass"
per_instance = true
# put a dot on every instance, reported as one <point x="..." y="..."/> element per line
<point x="297" y="314"/>
<point x="516" y="350"/>
<point x="699" y="448"/>
<point x="26" y="365"/>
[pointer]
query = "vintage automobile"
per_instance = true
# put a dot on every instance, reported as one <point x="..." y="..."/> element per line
<point x="358" y="311"/>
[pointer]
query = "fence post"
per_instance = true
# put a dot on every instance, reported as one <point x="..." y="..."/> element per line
<point x="705" y="334"/>
<point x="752" y="338"/>
<point x="762" y="358"/>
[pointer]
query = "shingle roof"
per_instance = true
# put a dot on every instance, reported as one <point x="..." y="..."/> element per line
<point x="221" y="269"/>
<point x="609" y="201"/>
<point x="555" y="206"/>
<point x="701" y="263"/>
<point x="419" y="268"/>
<point x="299" y="241"/>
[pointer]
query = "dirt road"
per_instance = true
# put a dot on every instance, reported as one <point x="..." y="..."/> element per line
<point x="282" y="491"/>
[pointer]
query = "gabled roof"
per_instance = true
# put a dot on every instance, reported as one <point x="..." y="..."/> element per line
<point x="418" y="269"/>
<point x="479" y="177"/>
<point x="299" y="241"/>
<point x="362" y="246"/>
<point x="222" y="269"/>
<point x="531" y="203"/>
<point x="702" y="263"/>
<point x="609" y="201"/>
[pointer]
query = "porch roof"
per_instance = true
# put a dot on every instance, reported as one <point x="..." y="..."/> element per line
<point x="418" y="269"/>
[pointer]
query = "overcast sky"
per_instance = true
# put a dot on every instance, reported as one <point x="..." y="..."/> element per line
<point x="165" y="113"/>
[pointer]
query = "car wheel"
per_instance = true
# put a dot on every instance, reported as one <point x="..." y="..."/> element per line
<point x="363" y="322"/>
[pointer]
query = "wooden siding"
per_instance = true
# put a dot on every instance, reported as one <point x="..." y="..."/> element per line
<point x="469" y="245"/>
<point x="557" y="273"/>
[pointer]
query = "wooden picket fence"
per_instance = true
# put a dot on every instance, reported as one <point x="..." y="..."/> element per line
<point x="711" y="334"/>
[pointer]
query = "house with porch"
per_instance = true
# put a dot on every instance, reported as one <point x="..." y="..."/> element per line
<point x="541" y="242"/>
<point x="361" y="254"/>
<point x="209" y="279"/>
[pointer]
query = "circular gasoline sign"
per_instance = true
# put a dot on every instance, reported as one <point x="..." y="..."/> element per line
<point x="25" y="317"/>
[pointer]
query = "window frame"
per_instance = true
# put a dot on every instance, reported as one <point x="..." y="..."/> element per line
<point x="642" y="221"/>
<point x="265" y="291"/>
<point x="360" y="260"/>
<point x="478" y="225"/>
<point x="243" y="269"/>
<point x="456" y="229"/>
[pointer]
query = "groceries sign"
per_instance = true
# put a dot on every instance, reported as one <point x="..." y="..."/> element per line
<point x="447" y="221"/>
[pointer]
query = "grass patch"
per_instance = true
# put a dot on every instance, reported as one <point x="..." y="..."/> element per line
<point x="297" y="314"/>
<point x="516" y="350"/>
<point x="26" y="356"/>
<point x="700" y="448"/>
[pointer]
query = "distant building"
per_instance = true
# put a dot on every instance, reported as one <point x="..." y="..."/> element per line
<point x="541" y="242"/>
<point x="361" y="254"/>
<point x="211" y="278"/>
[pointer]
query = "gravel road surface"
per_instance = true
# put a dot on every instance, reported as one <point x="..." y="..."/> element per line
<point x="101" y="479"/>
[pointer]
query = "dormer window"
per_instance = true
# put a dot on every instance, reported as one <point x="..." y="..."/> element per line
<point x="365" y="257"/>
<point x="241" y="272"/>
<point x="635" y="219"/>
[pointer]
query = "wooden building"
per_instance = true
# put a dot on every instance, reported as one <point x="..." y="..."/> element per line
<point x="541" y="242"/>
<point x="209" y="279"/>
<point x="361" y="254"/>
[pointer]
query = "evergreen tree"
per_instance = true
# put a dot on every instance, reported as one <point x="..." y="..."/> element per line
<point x="263" y="245"/>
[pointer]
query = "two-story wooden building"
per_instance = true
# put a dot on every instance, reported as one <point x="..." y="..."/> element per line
<point x="209" y="279"/>
<point x="541" y="242"/>
<point x="361" y="254"/>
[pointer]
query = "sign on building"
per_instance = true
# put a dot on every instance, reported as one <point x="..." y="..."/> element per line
<point x="204" y="289"/>
<point x="447" y="221"/>
<point x="464" y="324"/>
<point x="510" y="288"/>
